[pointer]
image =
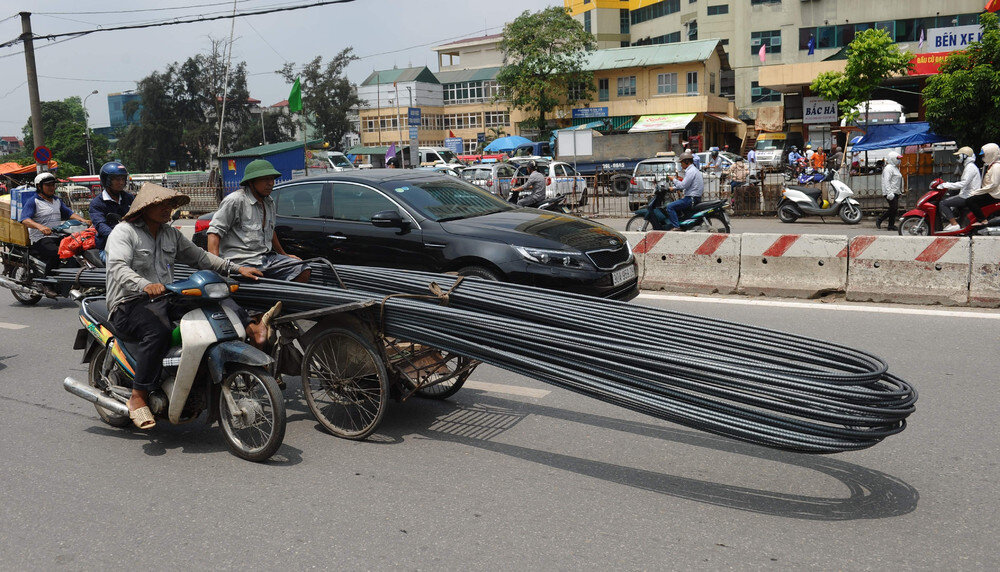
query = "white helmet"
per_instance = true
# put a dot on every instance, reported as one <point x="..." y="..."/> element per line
<point x="42" y="177"/>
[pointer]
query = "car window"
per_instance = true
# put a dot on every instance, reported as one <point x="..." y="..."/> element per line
<point x="654" y="168"/>
<point x="469" y="174"/>
<point x="447" y="199"/>
<point x="304" y="200"/>
<point x="559" y="171"/>
<point x="358" y="203"/>
<point x="570" y="170"/>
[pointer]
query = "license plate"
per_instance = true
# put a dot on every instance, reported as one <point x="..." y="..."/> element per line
<point x="622" y="276"/>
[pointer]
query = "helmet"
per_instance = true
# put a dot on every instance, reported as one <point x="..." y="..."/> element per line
<point x="967" y="151"/>
<point x="259" y="168"/>
<point x="686" y="156"/>
<point x="43" y="177"/>
<point x="533" y="165"/>
<point x="794" y="149"/>
<point x="809" y="146"/>
<point x="110" y="169"/>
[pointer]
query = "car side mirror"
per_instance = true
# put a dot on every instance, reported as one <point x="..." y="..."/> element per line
<point x="388" y="219"/>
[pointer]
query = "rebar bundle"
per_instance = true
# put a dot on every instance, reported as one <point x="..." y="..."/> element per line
<point x="753" y="384"/>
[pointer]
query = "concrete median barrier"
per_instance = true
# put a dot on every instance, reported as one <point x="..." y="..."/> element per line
<point x="909" y="270"/>
<point x="635" y="240"/>
<point x="690" y="262"/>
<point x="984" y="280"/>
<point x="793" y="265"/>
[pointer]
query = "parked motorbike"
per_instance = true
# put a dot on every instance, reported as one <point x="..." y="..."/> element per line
<point x="798" y="201"/>
<point x="209" y="367"/>
<point x="554" y="204"/>
<point x="811" y="176"/>
<point x="24" y="274"/>
<point x="925" y="219"/>
<point x="793" y="171"/>
<point x="706" y="216"/>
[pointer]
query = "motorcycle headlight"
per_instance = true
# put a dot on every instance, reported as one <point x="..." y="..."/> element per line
<point x="566" y="258"/>
<point x="216" y="290"/>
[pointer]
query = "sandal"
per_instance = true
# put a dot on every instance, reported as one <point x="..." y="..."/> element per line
<point x="142" y="417"/>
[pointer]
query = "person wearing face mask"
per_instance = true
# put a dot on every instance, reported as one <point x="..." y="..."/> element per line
<point x="970" y="181"/>
<point x="989" y="192"/>
<point x="41" y="215"/>
<point x="892" y="187"/>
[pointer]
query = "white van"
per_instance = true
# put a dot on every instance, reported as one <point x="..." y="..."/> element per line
<point x="429" y="156"/>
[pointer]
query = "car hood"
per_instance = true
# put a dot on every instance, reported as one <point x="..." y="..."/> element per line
<point x="537" y="229"/>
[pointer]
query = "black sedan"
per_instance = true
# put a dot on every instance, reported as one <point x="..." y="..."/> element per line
<point x="419" y="220"/>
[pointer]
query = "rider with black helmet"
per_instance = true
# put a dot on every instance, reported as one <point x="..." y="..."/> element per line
<point x="107" y="208"/>
<point x="535" y="186"/>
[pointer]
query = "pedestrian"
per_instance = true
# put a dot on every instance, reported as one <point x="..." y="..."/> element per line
<point x="892" y="187"/>
<point x="818" y="159"/>
<point x="752" y="161"/>
<point x="809" y="151"/>
<point x="835" y="160"/>
<point x="989" y="193"/>
<point x="737" y="175"/>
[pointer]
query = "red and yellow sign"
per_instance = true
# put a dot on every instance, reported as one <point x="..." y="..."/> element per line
<point x="232" y="165"/>
<point x="927" y="64"/>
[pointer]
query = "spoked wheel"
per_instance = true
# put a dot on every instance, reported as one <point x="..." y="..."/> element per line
<point x="20" y="276"/>
<point x="637" y="224"/>
<point x="256" y="427"/>
<point x="345" y="382"/>
<point x="850" y="213"/>
<point x="97" y="376"/>
<point x="787" y="213"/>
<point x="447" y="365"/>
<point x="914" y="226"/>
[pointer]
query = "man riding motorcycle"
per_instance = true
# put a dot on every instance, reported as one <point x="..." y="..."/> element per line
<point x="535" y="185"/>
<point x="971" y="180"/>
<point x="41" y="215"/>
<point x="693" y="187"/>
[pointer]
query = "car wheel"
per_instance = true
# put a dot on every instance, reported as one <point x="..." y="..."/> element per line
<point x="479" y="272"/>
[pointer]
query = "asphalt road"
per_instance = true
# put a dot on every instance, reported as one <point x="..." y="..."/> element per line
<point x="510" y="473"/>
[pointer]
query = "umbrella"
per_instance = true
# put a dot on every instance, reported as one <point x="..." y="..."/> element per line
<point x="506" y="144"/>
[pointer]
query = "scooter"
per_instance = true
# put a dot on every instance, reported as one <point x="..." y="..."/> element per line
<point x="924" y="218"/>
<point x="24" y="275"/>
<point x="554" y="204"/>
<point x="812" y="176"/>
<point x="992" y="228"/>
<point x="798" y="201"/>
<point x="706" y="216"/>
<point x="208" y="367"/>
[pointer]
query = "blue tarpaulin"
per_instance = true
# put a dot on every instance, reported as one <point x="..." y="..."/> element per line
<point x="506" y="144"/>
<point x="897" y="135"/>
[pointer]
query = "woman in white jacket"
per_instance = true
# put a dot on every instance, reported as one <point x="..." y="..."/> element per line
<point x="892" y="187"/>
<point x="989" y="193"/>
<point x="971" y="180"/>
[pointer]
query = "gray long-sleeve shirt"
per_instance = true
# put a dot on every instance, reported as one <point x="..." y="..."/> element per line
<point x="245" y="227"/>
<point x="136" y="259"/>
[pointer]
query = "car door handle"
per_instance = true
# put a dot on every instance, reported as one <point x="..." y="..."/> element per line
<point x="336" y="236"/>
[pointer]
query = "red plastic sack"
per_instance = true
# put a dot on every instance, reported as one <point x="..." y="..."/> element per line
<point x="77" y="243"/>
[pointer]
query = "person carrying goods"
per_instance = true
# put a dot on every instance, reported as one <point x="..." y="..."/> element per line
<point x="892" y="187"/>
<point x="693" y="187"/>
<point x="970" y="181"/>
<point x="989" y="193"/>
<point x="141" y="252"/>
<point x="242" y="230"/>
<point x="535" y="186"/>
<point x="41" y="215"/>
<point x="107" y="208"/>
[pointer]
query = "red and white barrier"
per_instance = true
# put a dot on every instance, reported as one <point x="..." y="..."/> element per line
<point x="909" y="270"/>
<point x="793" y="265"/>
<point x="984" y="282"/>
<point x="635" y="240"/>
<point x="697" y="262"/>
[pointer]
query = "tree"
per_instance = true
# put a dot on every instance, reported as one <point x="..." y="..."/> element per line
<point x="962" y="101"/>
<point x="327" y="95"/>
<point x="872" y="57"/>
<point x="543" y="55"/>
<point x="64" y="125"/>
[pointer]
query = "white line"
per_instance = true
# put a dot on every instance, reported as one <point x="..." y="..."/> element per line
<point x="511" y="389"/>
<point x="984" y="314"/>
<point x="9" y="326"/>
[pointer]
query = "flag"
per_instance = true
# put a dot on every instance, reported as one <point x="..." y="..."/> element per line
<point x="295" y="98"/>
<point x="391" y="153"/>
<point x="763" y="50"/>
<point x="811" y="45"/>
<point x="451" y="133"/>
<point x="920" y="44"/>
<point x="993" y="5"/>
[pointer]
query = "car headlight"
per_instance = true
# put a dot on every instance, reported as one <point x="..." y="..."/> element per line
<point x="567" y="258"/>
<point x="216" y="290"/>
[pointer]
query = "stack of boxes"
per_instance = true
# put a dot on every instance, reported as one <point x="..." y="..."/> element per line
<point x="11" y="206"/>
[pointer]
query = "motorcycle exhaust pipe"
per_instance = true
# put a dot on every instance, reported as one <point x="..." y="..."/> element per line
<point x="92" y="395"/>
<point x="20" y="288"/>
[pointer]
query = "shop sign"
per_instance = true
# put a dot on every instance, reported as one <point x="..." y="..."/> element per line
<point x="953" y="38"/>
<point x="927" y="64"/>
<point x="588" y="112"/>
<point x="819" y="110"/>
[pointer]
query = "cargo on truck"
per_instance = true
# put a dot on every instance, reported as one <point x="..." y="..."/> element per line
<point x="615" y="156"/>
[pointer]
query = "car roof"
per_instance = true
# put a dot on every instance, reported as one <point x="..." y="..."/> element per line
<point x="370" y="176"/>
<point x="660" y="160"/>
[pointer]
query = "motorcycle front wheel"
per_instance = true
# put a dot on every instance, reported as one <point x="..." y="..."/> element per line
<point x="637" y="224"/>
<point x="914" y="226"/>
<point x="850" y="213"/>
<point x="255" y="430"/>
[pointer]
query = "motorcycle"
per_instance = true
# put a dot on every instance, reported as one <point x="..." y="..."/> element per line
<point x="793" y="171"/>
<point x="706" y="216"/>
<point x="924" y="218"/>
<point x="812" y="176"/>
<point x="209" y="366"/>
<point x="554" y="204"/>
<point x="798" y="201"/>
<point x="992" y="228"/>
<point x="24" y="275"/>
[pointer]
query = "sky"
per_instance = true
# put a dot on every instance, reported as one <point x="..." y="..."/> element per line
<point x="383" y="33"/>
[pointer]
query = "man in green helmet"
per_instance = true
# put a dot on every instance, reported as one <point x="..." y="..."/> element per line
<point x="242" y="230"/>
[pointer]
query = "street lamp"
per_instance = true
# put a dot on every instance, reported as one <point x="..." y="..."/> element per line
<point x="86" y="123"/>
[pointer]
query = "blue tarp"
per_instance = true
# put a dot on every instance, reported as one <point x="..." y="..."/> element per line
<point x="506" y="144"/>
<point x="897" y="135"/>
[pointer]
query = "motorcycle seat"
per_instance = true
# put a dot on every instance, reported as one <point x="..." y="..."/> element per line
<point x="97" y="308"/>
<point x="811" y="192"/>
<point x="705" y="205"/>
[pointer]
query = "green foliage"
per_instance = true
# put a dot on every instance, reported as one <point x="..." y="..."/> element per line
<point x="327" y="95"/>
<point x="64" y="127"/>
<point x="544" y="53"/>
<point x="963" y="101"/>
<point x="872" y="57"/>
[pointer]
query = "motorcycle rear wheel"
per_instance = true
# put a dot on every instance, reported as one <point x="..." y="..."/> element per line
<point x="20" y="276"/>
<point x="787" y="213"/>
<point x="95" y="373"/>
<point x="260" y="432"/>
<point x="638" y="224"/>
<point x="914" y="226"/>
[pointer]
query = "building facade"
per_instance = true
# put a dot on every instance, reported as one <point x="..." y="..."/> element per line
<point x="116" y="109"/>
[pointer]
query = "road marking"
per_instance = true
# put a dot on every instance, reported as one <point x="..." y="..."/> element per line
<point x="825" y="306"/>
<point x="511" y="389"/>
<point x="9" y="326"/>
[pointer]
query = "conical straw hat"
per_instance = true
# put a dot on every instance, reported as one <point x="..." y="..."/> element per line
<point x="151" y="194"/>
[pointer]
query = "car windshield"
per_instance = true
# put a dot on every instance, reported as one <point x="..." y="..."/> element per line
<point x="654" y="168"/>
<point x="448" y="199"/>
<point x="769" y="144"/>
<point x="340" y="161"/>
<point x="448" y="156"/>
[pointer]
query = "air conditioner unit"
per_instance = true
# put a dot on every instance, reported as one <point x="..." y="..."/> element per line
<point x="756" y="92"/>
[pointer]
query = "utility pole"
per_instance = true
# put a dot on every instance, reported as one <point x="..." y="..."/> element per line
<point x="86" y="124"/>
<point x="29" y="64"/>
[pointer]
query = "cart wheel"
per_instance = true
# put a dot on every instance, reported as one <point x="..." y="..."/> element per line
<point x="445" y="389"/>
<point x="345" y="382"/>
<point x="20" y="275"/>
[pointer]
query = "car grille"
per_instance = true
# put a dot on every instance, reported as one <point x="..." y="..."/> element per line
<point x="607" y="259"/>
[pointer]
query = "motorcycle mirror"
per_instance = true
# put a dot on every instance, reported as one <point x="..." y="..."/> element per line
<point x="176" y="215"/>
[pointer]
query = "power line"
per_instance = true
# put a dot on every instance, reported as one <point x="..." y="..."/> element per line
<point x="138" y="9"/>
<point x="88" y="79"/>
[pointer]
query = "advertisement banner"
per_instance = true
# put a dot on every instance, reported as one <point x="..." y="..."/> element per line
<point x="927" y="64"/>
<point x="819" y="110"/>
<point x="670" y="122"/>
<point x="587" y="112"/>
<point x="455" y="144"/>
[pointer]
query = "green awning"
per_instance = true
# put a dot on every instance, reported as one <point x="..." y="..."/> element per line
<point x="367" y="150"/>
<point x="270" y="149"/>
